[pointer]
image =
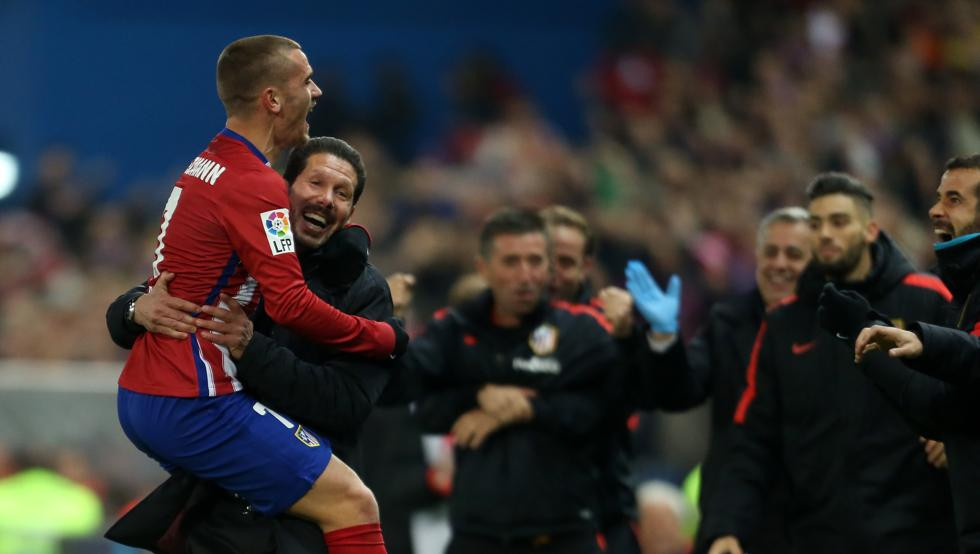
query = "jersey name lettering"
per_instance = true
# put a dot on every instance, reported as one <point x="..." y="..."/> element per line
<point x="205" y="170"/>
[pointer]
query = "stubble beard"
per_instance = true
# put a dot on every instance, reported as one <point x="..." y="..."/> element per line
<point x="842" y="267"/>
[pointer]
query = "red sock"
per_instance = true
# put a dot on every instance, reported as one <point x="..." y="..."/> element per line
<point x="359" y="539"/>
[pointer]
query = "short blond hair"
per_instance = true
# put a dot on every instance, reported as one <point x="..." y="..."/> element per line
<point x="557" y="215"/>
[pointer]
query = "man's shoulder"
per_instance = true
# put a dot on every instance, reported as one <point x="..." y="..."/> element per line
<point x="788" y="307"/>
<point x="257" y="177"/>
<point x="370" y="286"/>
<point x="583" y="316"/>
<point x="739" y="309"/>
<point x="926" y="284"/>
<point x="788" y="317"/>
<point x="373" y="280"/>
<point x="223" y="172"/>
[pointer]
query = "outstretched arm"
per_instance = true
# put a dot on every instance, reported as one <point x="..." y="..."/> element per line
<point x="660" y="369"/>
<point x="950" y="355"/>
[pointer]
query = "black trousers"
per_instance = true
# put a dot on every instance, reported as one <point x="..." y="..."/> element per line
<point x="576" y="542"/>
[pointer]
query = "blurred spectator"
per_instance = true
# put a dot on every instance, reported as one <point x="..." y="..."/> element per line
<point x="665" y="518"/>
<point x="39" y="507"/>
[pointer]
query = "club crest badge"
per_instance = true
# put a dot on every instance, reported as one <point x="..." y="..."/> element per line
<point x="306" y="437"/>
<point x="277" y="230"/>
<point x="544" y="339"/>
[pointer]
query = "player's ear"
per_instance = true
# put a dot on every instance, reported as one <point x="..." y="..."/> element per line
<point x="271" y="100"/>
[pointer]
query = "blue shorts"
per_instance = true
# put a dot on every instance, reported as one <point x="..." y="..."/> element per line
<point x="231" y="440"/>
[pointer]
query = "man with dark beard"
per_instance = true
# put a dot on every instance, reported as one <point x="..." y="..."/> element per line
<point x="857" y="478"/>
<point x="940" y="397"/>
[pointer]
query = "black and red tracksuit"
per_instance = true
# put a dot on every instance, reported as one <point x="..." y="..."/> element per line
<point x="533" y="479"/>
<point x="857" y="477"/>
<point x="713" y="366"/>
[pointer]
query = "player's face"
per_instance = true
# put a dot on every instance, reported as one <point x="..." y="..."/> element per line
<point x="569" y="264"/>
<point x="300" y="94"/>
<point x="516" y="270"/>
<point x="955" y="212"/>
<point x="321" y="199"/>
<point x="841" y="233"/>
<point x="780" y="259"/>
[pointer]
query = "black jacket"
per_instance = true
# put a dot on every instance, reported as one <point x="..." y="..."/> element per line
<point x="330" y="392"/>
<point x="713" y="366"/>
<point x="528" y="478"/>
<point x="940" y="399"/>
<point x="857" y="475"/>
<point x="629" y="387"/>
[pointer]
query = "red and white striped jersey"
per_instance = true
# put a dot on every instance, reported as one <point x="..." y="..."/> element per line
<point x="226" y="229"/>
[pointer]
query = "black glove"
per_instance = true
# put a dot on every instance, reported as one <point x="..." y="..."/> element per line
<point x="844" y="313"/>
<point x="401" y="336"/>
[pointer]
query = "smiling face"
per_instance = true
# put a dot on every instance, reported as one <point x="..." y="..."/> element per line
<point x="321" y="198"/>
<point x="841" y="235"/>
<point x="780" y="258"/>
<point x="570" y="263"/>
<point x="298" y="96"/>
<point x="955" y="212"/>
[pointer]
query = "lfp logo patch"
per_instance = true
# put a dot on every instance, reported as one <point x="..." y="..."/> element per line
<point x="277" y="230"/>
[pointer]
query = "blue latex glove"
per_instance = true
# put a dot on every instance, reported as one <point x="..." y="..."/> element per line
<point x="658" y="308"/>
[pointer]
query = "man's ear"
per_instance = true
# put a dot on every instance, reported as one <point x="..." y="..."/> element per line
<point x="871" y="232"/>
<point x="271" y="100"/>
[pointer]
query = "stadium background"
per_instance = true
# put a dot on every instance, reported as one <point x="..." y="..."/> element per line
<point x="672" y="124"/>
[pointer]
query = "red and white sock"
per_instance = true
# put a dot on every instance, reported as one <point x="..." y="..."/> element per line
<point x="359" y="539"/>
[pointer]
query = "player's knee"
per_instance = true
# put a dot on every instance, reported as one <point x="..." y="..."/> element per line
<point x="362" y="503"/>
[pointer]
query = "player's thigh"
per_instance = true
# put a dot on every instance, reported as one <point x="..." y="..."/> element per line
<point x="235" y="442"/>
<point x="338" y="499"/>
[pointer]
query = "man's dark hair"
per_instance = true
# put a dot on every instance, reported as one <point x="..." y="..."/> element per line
<point x="250" y="64"/>
<point x="509" y="221"/>
<point x="967" y="162"/>
<point x="326" y="145"/>
<point x="964" y="162"/>
<point x="840" y="183"/>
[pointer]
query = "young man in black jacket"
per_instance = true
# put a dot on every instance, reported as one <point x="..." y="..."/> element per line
<point x="940" y="398"/>
<point x="517" y="379"/>
<point x="857" y="478"/>
<point x="312" y="384"/>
